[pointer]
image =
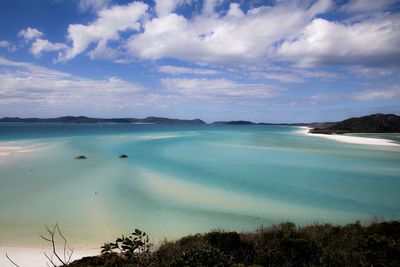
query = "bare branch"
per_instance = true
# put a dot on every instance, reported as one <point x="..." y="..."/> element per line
<point x="11" y="260"/>
<point x="50" y="259"/>
<point x="67" y="252"/>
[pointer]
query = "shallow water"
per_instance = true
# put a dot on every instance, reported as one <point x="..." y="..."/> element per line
<point x="183" y="179"/>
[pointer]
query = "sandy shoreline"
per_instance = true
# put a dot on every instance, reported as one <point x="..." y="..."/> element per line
<point x="351" y="139"/>
<point x="34" y="256"/>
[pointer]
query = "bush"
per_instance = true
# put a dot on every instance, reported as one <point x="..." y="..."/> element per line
<point x="201" y="257"/>
<point x="281" y="245"/>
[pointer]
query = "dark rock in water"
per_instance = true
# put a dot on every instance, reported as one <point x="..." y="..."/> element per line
<point x="122" y="156"/>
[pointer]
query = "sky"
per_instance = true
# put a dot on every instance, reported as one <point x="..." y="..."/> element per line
<point x="264" y="61"/>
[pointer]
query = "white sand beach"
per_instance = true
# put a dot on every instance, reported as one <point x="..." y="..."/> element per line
<point x="34" y="257"/>
<point x="351" y="139"/>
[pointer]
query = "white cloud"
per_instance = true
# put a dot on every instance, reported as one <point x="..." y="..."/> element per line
<point x="44" y="45"/>
<point x="106" y="27"/>
<point x="319" y="74"/>
<point x="27" y="83"/>
<point x="210" y="5"/>
<point x="286" y="31"/>
<point x="102" y="51"/>
<point x="220" y="89"/>
<point x="165" y="7"/>
<point x="4" y="43"/>
<point x="377" y="94"/>
<point x="371" y="72"/>
<point x="234" y="37"/>
<point x="374" y="41"/>
<point x="94" y="5"/>
<point x="183" y="70"/>
<point x="235" y="11"/>
<point x="32" y="68"/>
<point x="279" y="76"/>
<point x="367" y="5"/>
<point x="30" y="33"/>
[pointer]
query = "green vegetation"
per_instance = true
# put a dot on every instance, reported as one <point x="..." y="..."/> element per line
<point x="281" y="245"/>
<point x="376" y="123"/>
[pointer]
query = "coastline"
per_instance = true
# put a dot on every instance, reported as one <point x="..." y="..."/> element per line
<point x="350" y="139"/>
<point x="34" y="256"/>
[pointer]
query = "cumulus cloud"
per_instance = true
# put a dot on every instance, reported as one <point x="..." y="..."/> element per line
<point x="30" y="33"/>
<point x="165" y="7"/>
<point x="373" y="42"/>
<point x="44" y="45"/>
<point x="233" y="37"/>
<point x="183" y="70"/>
<point x="106" y="27"/>
<point x="220" y="89"/>
<point x="215" y="38"/>
<point x="102" y="51"/>
<point x="218" y="34"/>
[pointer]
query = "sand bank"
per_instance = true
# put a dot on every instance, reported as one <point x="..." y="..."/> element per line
<point x="351" y="139"/>
<point x="34" y="257"/>
<point x="10" y="148"/>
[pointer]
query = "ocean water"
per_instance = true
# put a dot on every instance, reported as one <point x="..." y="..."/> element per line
<point x="184" y="179"/>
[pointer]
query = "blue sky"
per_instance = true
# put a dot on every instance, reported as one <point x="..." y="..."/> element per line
<point x="265" y="61"/>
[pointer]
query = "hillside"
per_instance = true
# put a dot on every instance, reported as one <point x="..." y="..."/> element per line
<point x="376" y="123"/>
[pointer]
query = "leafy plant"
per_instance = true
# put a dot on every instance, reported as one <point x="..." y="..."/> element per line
<point x="134" y="248"/>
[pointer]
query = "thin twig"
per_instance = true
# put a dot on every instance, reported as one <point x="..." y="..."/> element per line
<point x="65" y="240"/>
<point x="70" y="254"/>
<point x="51" y="239"/>
<point x="50" y="259"/>
<point x="11" y="260"/>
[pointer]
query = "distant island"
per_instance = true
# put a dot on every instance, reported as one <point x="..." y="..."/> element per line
<point x="376" y="123"/>
<point x="83" y="119"/>
<point x="153" y="120"/>
<point x="254" y="123"/>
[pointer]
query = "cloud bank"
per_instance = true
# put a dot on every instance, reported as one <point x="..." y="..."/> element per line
<point x="288" y="31"/>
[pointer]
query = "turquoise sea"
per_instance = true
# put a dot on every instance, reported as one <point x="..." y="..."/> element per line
<point x="184" y="179"/>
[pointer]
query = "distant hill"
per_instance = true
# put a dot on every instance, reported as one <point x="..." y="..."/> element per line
<point x="233" y="123"/>
<point x="83" y="119"/>
<point x="376" y="123"/>
<point x="253" y="123"/>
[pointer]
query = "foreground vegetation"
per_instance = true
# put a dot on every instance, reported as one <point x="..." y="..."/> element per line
<point x="281" y="245"/>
